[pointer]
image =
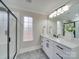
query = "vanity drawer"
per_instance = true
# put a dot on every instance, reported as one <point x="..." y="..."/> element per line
<point x="61" y="55"/>
<point x="63" y="49"/>
<point x="60" y="47"/>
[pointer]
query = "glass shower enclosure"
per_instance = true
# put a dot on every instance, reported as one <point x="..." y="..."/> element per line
<point x="8" y="33"/>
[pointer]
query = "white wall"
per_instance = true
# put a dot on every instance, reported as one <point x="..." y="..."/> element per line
<point x="52" y="27"/>
<point x="60" y="27"/>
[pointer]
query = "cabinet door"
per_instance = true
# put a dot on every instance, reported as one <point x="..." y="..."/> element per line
<point x="53" y="53"/>
<point x="43" y="45"/>
<point x="46" y="46"/>
<point x="48" y="49"/>
<point x="61" y="55"/>
<point x="51" y="50"/>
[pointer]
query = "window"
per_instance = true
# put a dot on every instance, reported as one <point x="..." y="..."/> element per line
<point x="28" y="29"/>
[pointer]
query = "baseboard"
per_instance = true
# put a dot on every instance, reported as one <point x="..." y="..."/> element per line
<point x="29" y="49"/>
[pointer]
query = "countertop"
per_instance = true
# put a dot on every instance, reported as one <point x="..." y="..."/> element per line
<point x="68" y="43"/>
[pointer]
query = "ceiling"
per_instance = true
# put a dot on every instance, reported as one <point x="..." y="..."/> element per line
<point x="38" y="6"/>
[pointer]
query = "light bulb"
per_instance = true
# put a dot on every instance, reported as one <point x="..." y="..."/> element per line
<point x="55" y="14"/>
<point x="65" y="8"/>
<point x="52" y="15"/>
<point x="59" y="11"/>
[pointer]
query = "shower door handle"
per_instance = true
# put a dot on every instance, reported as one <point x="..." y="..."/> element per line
<point x="9" y="39"/>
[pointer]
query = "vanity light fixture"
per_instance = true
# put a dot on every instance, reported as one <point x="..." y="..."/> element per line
<point x="59" y="11"/>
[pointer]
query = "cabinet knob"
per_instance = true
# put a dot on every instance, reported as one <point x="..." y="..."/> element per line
<point x="47" y="45"/>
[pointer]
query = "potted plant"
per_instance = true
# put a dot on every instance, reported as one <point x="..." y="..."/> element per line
<point x="69" y="29"/>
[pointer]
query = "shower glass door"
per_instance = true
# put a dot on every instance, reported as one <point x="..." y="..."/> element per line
<point x="12" y="33"/>
<point x="8" y="33"/>
<point x="3" y="32"/>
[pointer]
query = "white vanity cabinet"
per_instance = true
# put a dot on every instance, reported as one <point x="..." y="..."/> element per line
<point x="56" y="50"/>
<point x="59" y="51"/>
<point x="46" y="46"/>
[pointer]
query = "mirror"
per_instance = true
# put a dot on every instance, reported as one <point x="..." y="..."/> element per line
<point x="67" y="23"/>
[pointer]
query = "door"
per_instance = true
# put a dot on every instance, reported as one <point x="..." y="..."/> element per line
<point x="12" y="35"/>
<point x="8" y="33"/>
<point x="3" y="32"/>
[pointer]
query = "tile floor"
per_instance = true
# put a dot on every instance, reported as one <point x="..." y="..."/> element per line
<point x="36" y="54"/>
